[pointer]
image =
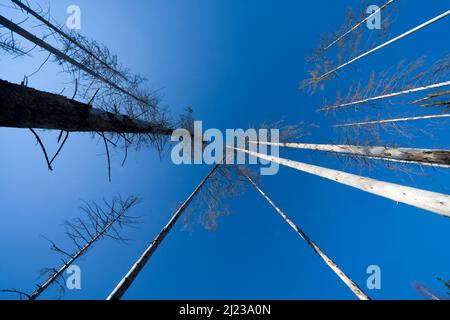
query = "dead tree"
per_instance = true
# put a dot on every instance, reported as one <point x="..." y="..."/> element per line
<point x="431" y="201"/>
<point x="23" y="107"/>
<point x="64" y="57"/>
<point x="128" y="280"/>
<point x="219" y="184"/>
<point x="381" y="46"/>
<point x="71" y="39"/>
<point x="406" y="79"/>
<point x="359" y="293"/>
<point x="348" y="41"/>
<point x="101" y="222"/>
<point x="357" y="25"/>
<point x="129" y="113"/>
<point x="388" y="95"/>
<point x="425" y="157"/>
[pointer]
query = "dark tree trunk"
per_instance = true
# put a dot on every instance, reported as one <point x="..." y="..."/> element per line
<point x="23" y="107"/>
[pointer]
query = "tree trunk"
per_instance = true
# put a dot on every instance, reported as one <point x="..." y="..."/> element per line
<point x="427" y="157"/>
<point x="429" y="22"/>
<point x="23" y="107"/>
<point x="388" y="95"/>
<point x="81" y="252"/>
<point x="64" y="57"/>
<point x="349" y="282"/>
<point x="436" y="116"/>
<point x="431" y="201"/>
<point x="434" y="165"/>
<point x="65" y="36"/>
<point x="359" y="24"/>
<point x="432" y="95"/>
<point x="61" y="270"/>
<point x="131" y="276"/>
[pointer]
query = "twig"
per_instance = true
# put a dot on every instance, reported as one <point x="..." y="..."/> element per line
<point x="43" y="149"/>
<point x="60" y="148"/>
<point x="107" y="154"/>
<point x="20" y="293"/>
<point x="93" y="97"/>
<point x="76" y="89"/>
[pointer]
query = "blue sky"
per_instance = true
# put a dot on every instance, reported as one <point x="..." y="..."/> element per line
<point x="237" y="64"/>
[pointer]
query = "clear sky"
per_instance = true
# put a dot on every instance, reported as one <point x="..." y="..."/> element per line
<point x="237" y="63"/>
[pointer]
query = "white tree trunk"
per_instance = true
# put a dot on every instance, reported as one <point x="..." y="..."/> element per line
<point x="427" y="157"/>
<point x="386" y="96"/>
<point x="436" y="116"/>
<point x="429" y="22"/>
<point x="349" y="282"/>
<point x="128" y="280"/>
<point x="359" y="24"/>
<point x="431" y="201"/>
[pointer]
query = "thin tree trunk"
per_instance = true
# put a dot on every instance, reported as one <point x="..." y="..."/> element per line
<point x="348" y="282"/>
<point x="436" y="104"/>
<point x="427" y="157"/>
<point x="62" y="56"/>
<point x="359" y="24"/>
<point x="386" y="96"/>
<point x="82" y="251"/>
<point x="131" y="276"/>
<point x="429" y="22"/>
<point x="23" y="107"/>
<point x="66" y="36"/>
<point x="437" y="116"/>
<point x="431" y="201"/>
<point x="431" y="96"/>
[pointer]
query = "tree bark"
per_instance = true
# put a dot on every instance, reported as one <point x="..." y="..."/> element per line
<point x="341" y="274"/>
<point x="431" y="157"/>
<point x="23" y="107"/>
<point x="131" y="276"/>
<point x="431" y="201"/>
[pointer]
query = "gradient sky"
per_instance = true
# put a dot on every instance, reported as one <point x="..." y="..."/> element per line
<point x="237" y="63"/>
